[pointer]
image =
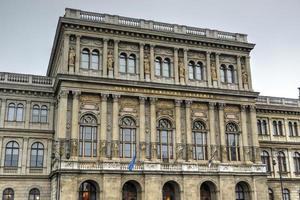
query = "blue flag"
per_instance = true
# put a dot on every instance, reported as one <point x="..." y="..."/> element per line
<point x="132" y="163"/>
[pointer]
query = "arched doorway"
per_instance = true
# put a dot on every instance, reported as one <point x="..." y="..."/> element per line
<point x="242" y="191"/>
<point x="131" y="191"/>
<point x="208" y="191"/>
<point x="171" y="191"/>
<point x="88" y="190"/>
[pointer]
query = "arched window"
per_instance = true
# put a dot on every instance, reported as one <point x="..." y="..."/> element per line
<point x="208" y="191"/>
<point x="199" y="141"/>
<point x="280" y="129"/>
<point x="232" y="137"/>
<point x="44" y="114"/>
<point x="275" y="130"/>
<point x="85" y="59"/>
<point x="271" y="194"/>
<point x="37" y="155"/>
<point x="264" y="127"/>
<point x="95" y="59"/>
<point x="281" y="161"/>
<point x="171" y="191"/>
<point x="20" y="111"/>
<point x="129" y="191"/>
<point x="123" y="62"/>
<point x="34" y="194"/>
<point x="297" y="162"/>
<point x="131" y="64"/>
<point x="11" y="154"/>
<point x="242" y="191"/>
<point x="8" y="194"/>
<point x="295" y="129"/>
<point x="165" y="139"/>
<point x="88" y="191"/>
<point x="88" y="136"/>
<point x="158" y="66"/>
<point x="127" y="137"/>
<point x="195" y="71"/>
<point x="223" y="73"/>
<point x="286" y="194"/>
<point x="11" y="112"/>
<point x="166" y="71"/>
<point x="265" y="159"/>
<point x="230" y="74"/>
<point x="35" y="113"/>
<point x="259" y="127"/>
<point x="191" y="70"/>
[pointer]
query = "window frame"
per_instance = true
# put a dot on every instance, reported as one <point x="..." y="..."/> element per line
<point x="199" y="128"/>
<point x="282" y="165"/>
<point x="131" y="127"/>
<point x="85" y="52"/>
<point x="34" y="193"/>
<point x="164" y="127"/>
<point x="232" y="131"/>
<point x="38" y="149"/>
<point x="297" y="162"/>
<point x="10" y="192"/>
<point x="265" y="158"/>
<point x="12" y="149"/>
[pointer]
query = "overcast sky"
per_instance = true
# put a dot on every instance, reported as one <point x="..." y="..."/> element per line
<point x="27" y="29"/>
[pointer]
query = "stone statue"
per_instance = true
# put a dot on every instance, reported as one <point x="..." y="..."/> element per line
<point x="181" y="68"/>
<point x="244" y="76"/>
<point x="213" y="72"/>
<point x="147" y="65"/>
<point x="110" y="60"/>
<point x="103" y="149"/>
<point x="179" y="152"/>
<point x="74" y="148"/>
<point x="115" y="149"/>
<point x="72" y="55"/>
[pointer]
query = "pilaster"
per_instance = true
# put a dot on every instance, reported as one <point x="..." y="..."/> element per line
<point x="77" y="56"/>
<point x="189" y="148"/>
<point x="244" y="134"/>
<point x="186" y="69"/>
<point x="176" y="66"/>
<point x="2" y="113"/>
<point x="249" y="72"/>
<point x="153" y="127"/>
<point x="152" y="62"/>
<point x="142" y="128"/>
<point x="62" y="114"/>
<point x="116" y="58"/>
<point x="142" y="61"/>
<point x="27" y="117"/>
<point x="239" y="72"/>
<point x="212" y="130"/>
<point x="179" y="148"/>
<point x="103" y="129"/>
<point x="222" y="132"/>
<point x="256" y="152"/>
<point x="75" y="123"/>
<point x="104" y="59"/>
<point x="115" y="126"/>
<point x="65" y="53"/>
<point x="218" y="69"/>
<point x="208" y="69"/>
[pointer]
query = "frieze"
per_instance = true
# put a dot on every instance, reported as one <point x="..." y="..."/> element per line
<point x="196" y="55"/>
<point x="128" y="46"/>
<point x="228" y="59"/>
<point x="163" y="51"/>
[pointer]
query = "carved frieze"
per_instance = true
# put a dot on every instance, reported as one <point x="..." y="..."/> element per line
<point x="124" y="46"/>
<point x="196" y="55"/>
<point x="163" y="51"/>
<point x="227" y="59"/>
<point x="89" y="102"/>
<point x="91" y="42"/>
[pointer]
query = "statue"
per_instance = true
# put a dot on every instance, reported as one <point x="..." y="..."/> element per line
<point x="179" y="152"/>
<point x="213" y="72"/>
<point x="72" y="55"/>
<point x="147" y="65"/>
<point x="103" y="149"/>
<point x="74" y="148"/>
<point x="244" y="76"/>
<point x="110" y="60"/>
<point x="115" y="149"/>
<point x="181" y="69"/>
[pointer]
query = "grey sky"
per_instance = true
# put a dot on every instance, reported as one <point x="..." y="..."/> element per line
<point x="27" y="29"/>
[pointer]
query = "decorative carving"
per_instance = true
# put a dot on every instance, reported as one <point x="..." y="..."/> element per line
<point x="74" y="148"/>
<point x="104" y="97"/>
<point x="179" y="151"/>
<point x="103" y="149"/>
<point x="110" y="60"/>
<point x="181" y="68"/>
<point x="178" y="102"/>
<point x="147" y="65"/>
<point x="244" y="75"/>
<point x="72" y="56"/>
<point x="213" y="71"/>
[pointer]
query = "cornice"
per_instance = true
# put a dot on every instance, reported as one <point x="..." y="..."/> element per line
<point x="20" y="130"/>
<point x="278" y="109"/>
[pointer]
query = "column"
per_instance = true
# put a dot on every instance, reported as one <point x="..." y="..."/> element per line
<point x="218" y="69"/>
<point x="104" y="58"/>
<point x="152" y="67"/>
<point x="153" y="127"/>
<point x="239" y="72"/>
<point x="75" y="123"/>
<point x="2" y="113"/>
<point x="116" y="58"/>
<point x="27" y="113"/>
<point x="52" y="115"/>
<point x="249" y="72"/>
<point x="223" y="154"/>
<point x="24" y="151"/>
<point x="208" y="70"/>
<point x="61" y="128"/>
<point x="77" y="57"/>
<point x="212" y="130"/>
<point x="142" y="61"/>
<point x="142" y="143"/>
<point x="115" y="126"/>
<point x="103" y="130"/>
<point x="286" y="128"/>
<point x="188" y="122"/>
<point x="185" y="61"/>
<point x="65" y="53"/>
<point x="255" y="145"/>
<point x="179" y="148"/>
<point x="245" y="145"/>
<point x="176" y="75"/>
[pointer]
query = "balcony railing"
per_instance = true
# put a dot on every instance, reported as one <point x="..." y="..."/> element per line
<point x="266" y="100"/>
<point x="153" y="25"/>
<point x="28" y="79"/>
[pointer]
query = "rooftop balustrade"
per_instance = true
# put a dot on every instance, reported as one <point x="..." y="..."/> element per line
<point x="26" y="79"/>
<point x="266" y="100"/>
<point x="153" y="25"/>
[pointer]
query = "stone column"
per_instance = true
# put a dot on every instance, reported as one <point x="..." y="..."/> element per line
<point x="152" y="67"/>
<point x="61" y="127"/>
<point x="222" y="132"/>
<point x="77" y="57"/>
<point x="2" y="112"/>
<point x="142" y="144"/>
<point x="249" y="72"/>
<point x="75" y="123"/>
<point x="286" y="128"/>
<point x="142" y="61"/>
<point x="116" y="58"/>
<point x="179" y="148"/>
<point x="218" y="69"/>
<point x="27" y="117"/>
<point x="66" y="54"/>
<point x="244" y="134"/>
<point x="208" y="70"/>
<point x="153" y="128"/>
<point x="176" y="75"/>
<point x="188" y="123"/>
<point x="212" y="130"/>
<point x="103" y="130"/>
<point x="104" y="58"/>
<point x="115" y="126"/>
<point x="239" y="72"/>
<point x="186" y="69"/>
<point x="51" y="115"/>
<point x="25" y="153"/>
<point x="256" y="152"/>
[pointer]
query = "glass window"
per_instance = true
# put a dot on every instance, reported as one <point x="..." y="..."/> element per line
<point x="259" y="127"/>
<point x="166" y="72"/>
<point x="280" y="129"/>
<point x="131" y="64"/>
<point x="296" y="129"/>
<point x="88" y="136"/>
<point x="8" y="194"/>
<point x="20" y="111"/>
<point x="87" y="191"/>
<point x="199" y="141"/>
<point x="34" y="194"/>
<point x="281" y="162"/>
<point x="286" y="194"/>
<point x="36" y="113"/>
<point x="271" y="194"/>
<point x="265" y="159"/>
<point x="127" y="138"/>
<point x="275" y="130"/>
<point x="242" y="191"/>
<point x="37" y="155"/>
<point x="11" y="112"/>
<point x="85" y="59"/>
<point x="264" y="127"/>
<point x="158" y="66"/>
<point x="165" y="139"/>
<point x="11" y="154"/>
<point x="232" y="138"/>
<point x="191" y="70"/>
<point x="44" y="114"/>
<point x="123" y="62"/>
<point x="297" y="162"/>
<point x="230" y="74"/>
<point x="223" y="73"/>
<point x="199" y="71"/>
<point x="129" y="191"/>
<point x="95" y="60"/>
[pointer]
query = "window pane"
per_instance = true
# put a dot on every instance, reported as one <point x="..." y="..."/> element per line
<point x="191" y="71"/>
<point x="157" y="67"/>
<point x="95" y="60"/>
<point x="87" y="149"/>
<point x="11" y="112"/>
<point x="198" y="73"/>
<point x="131" y="64"/>
<point x="166" y="68"/>
<point x="122" y="63"/>
<point x="127" y="150"/>
<point x="20" y="114"/>
<point x="222" y="73"/>
<point x="85" y="59"/>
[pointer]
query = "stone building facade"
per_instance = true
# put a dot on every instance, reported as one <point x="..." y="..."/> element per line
<point x="177" y="100"/>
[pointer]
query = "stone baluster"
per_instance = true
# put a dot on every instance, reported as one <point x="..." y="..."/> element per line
<point x="186" y="69"/>
<point x="239" y="72"/>
<point x="208" y="69"/>
<point x="152" y="67"/>
<point x="115" y="126"/>
<point x="153" y="128"/>
<point x="142" y="143"/>
<point x="179" y="148"/>
<point x="176" y="75"/>
<point x="189" y="145"/>
<point x="103" y="131"/>
<point x="116" y="58"/>
<point x="104" y="59"/>
<point x="75" y="123"/>
<point x="77" y="57"/>
<point x="244" y="134"/>
<point x="142" y="61"/>
<point x="222" y="132"/>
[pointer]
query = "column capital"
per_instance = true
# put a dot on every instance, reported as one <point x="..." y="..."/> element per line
<point x="153" y="100"/>
<point x="63" y="94"/>
<point x="116" y="97"/>
<point x="188" y="103"/>
<point x="116" y="41"/>
<point x="78" y="36"/>
<point x="212" y="105"/>
<point x="76" y="93"/>
<point x="243" y="108"/>
<point x="238" y="56"/>
<point x="178" y="102"/>
<point x="221" y="106"/>
<point x="105" y="39"/>
<point x="208" y="53"/>
<point x="104" y="97"/>
<point x="217" y="53"/>
<point x="142" y="100"/>
<point x="152" y="46"/>
<point x="176" y="48"/>
<point x="142" y="44"/>
<point x="252" y="108"/>
<point x="185" y="50"/>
